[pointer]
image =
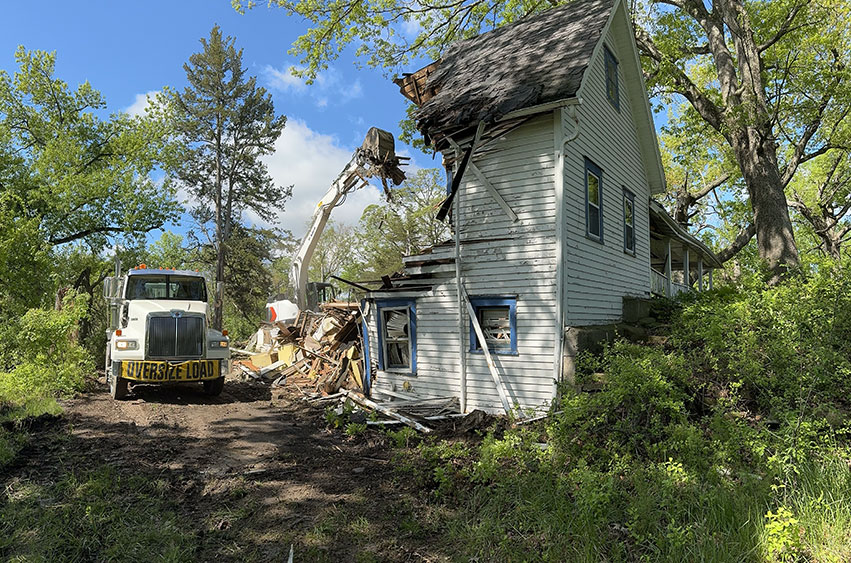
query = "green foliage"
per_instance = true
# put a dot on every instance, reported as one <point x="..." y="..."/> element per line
<point x="355" y="428"/>
<point x="41" y="355"/>
<point x="100" y="515"/>
<point x="338" y="416"/>
<point x="226" y="125"/>
<point x="405" y="437"/>
<point x="404" y="226"/>
<point x="674" y="458"/>
<point x="78" y="176"/>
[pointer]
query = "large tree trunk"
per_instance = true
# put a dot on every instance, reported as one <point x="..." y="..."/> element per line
<point x="757" y="156"/>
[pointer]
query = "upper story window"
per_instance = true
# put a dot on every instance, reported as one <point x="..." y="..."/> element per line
<point x="593" y="201"/>
<point x="628" y="221"/>
<point x="612" y="89"/>
<point x="397" y="336"/>
<point x="497" y="318"/>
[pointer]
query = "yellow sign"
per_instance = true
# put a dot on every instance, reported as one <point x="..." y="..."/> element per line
<point x="163" y="372"/>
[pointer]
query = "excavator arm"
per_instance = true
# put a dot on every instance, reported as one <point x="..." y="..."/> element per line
<point x="376" y="157"/>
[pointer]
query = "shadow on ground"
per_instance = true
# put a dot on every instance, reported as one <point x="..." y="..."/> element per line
<point x="251" y="473"/>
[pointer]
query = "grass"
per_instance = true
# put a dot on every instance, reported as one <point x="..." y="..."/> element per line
<point x="652" y="512"/>
<point x="98" y="515"/>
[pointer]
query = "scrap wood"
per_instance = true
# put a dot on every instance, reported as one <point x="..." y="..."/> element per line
<point x="336" y="380"/>
<point x="247" y="370"/>
<point x="449" y="416"/>
<point x="272" y="367"/>
<point x="320" y="356"/>
<point x="363" y="401"/>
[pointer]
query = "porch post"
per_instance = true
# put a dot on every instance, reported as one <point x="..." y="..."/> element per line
<point x="686" y="272"/>
<point x="668" y="288"/>
<point x="710" y="279"/>
<point x="700" y="273"/>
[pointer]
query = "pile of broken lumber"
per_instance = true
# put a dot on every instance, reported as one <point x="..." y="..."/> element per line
<point x="318" y="353"/>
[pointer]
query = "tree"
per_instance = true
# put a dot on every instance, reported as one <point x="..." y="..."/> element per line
<point x="821" y="197"/>
<point x="68" y="176"/>
<point x="770" y="79"/>
<point x="228" y="124"/>
<point x="406" y="225"/>
<point x="334" y="252"/>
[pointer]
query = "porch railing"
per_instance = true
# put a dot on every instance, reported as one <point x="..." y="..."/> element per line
<point x="659" y="285"/>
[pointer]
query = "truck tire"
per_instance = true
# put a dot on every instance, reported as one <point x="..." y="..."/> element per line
<point x="214" y="387"/>
<point x="118" y="388"/>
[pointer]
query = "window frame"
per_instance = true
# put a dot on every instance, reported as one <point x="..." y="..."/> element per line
<point x="485" y="302"/>
<point x="592" y="168"/>
<point x="628" y="196"/>
<point x="611" y="62"/>
<point x="408" y="305"/>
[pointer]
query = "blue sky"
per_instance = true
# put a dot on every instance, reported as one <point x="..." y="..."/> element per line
<point x="127" y="49"/>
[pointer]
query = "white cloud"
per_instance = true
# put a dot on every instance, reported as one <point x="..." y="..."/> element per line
<point x="283" y="80"/>
<point x="311" y="161"/>
<point x="411" y="28"/>
<point x="141" y="103"/>
<point x="329" y="88"/>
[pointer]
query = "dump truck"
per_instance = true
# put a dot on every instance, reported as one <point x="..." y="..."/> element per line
<point x="159" y="331"/>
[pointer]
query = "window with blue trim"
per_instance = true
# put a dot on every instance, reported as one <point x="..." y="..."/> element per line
<point x="593" y="201"/>
<point x="497" y="317"/>
<point x="397" y="335"/>
<point x="612" y="89"/>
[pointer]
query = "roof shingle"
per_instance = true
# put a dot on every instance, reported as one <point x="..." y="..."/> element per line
<point x="537" y="60"/>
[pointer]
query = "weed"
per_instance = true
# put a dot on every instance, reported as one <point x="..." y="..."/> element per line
<point x="355" y="428"/>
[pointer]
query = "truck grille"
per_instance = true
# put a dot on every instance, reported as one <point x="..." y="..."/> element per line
<point x="175" y="337"/>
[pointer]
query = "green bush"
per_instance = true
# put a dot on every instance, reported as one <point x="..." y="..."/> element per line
<point x="730" y="443"/>
<point x="45" y="359"/>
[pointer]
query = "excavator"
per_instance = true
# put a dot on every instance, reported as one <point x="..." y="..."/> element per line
<point x="375" y="158"/>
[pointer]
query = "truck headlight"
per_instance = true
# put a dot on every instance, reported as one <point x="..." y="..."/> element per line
<point x="127" y="344"/>
<point x="218" y="343"/>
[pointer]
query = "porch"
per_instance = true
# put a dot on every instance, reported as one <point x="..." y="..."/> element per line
<point x="679" y="262"/>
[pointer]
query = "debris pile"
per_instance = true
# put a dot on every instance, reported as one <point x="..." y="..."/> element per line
<point x="319" y="353"/>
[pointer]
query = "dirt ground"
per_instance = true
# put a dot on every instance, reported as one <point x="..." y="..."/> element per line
<point x="261" y="471"/>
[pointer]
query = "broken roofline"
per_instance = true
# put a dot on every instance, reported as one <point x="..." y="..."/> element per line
<point x="529" y="62"/>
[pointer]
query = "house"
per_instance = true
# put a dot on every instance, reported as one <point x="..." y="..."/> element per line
<point x="548" y="139"/>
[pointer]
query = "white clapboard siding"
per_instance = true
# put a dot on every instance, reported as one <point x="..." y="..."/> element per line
<point x="520" y="167"/>
<point x="599" y="275"/>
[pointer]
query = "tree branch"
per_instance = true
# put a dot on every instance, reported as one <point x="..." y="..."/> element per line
<point x="741" y="241"/>
<point x="704" y="106"/>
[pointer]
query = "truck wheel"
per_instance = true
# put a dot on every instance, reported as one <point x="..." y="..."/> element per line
<point x="118" y="387"/>
<point x="214" y="387"/>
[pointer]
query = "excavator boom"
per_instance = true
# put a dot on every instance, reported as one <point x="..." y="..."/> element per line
<point x="376" y="157"/>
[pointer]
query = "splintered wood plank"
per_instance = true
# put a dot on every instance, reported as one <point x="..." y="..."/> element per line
<point x="363" y="401"/>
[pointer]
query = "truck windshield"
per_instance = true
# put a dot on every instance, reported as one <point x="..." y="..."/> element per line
<point x="166" y="287"/>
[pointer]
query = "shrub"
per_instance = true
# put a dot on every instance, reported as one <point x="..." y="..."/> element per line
<point x="47" y="361"/>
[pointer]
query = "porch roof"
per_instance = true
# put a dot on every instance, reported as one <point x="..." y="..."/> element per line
<point x="663" y="226"/>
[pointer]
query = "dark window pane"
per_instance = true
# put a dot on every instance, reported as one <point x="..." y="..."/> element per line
<point x="397" y="355"/>
<point x="594" y="220"/>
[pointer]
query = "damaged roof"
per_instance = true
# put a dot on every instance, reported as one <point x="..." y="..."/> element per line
<point x="537" y="60"/>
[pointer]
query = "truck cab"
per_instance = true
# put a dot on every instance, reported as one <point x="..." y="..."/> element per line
<point x="160" y="332"/>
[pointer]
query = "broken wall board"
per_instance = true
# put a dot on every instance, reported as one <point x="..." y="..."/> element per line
<point x="503" y="394"/>
<point x="491" y="189"/>
<point x="363" y="401"/>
